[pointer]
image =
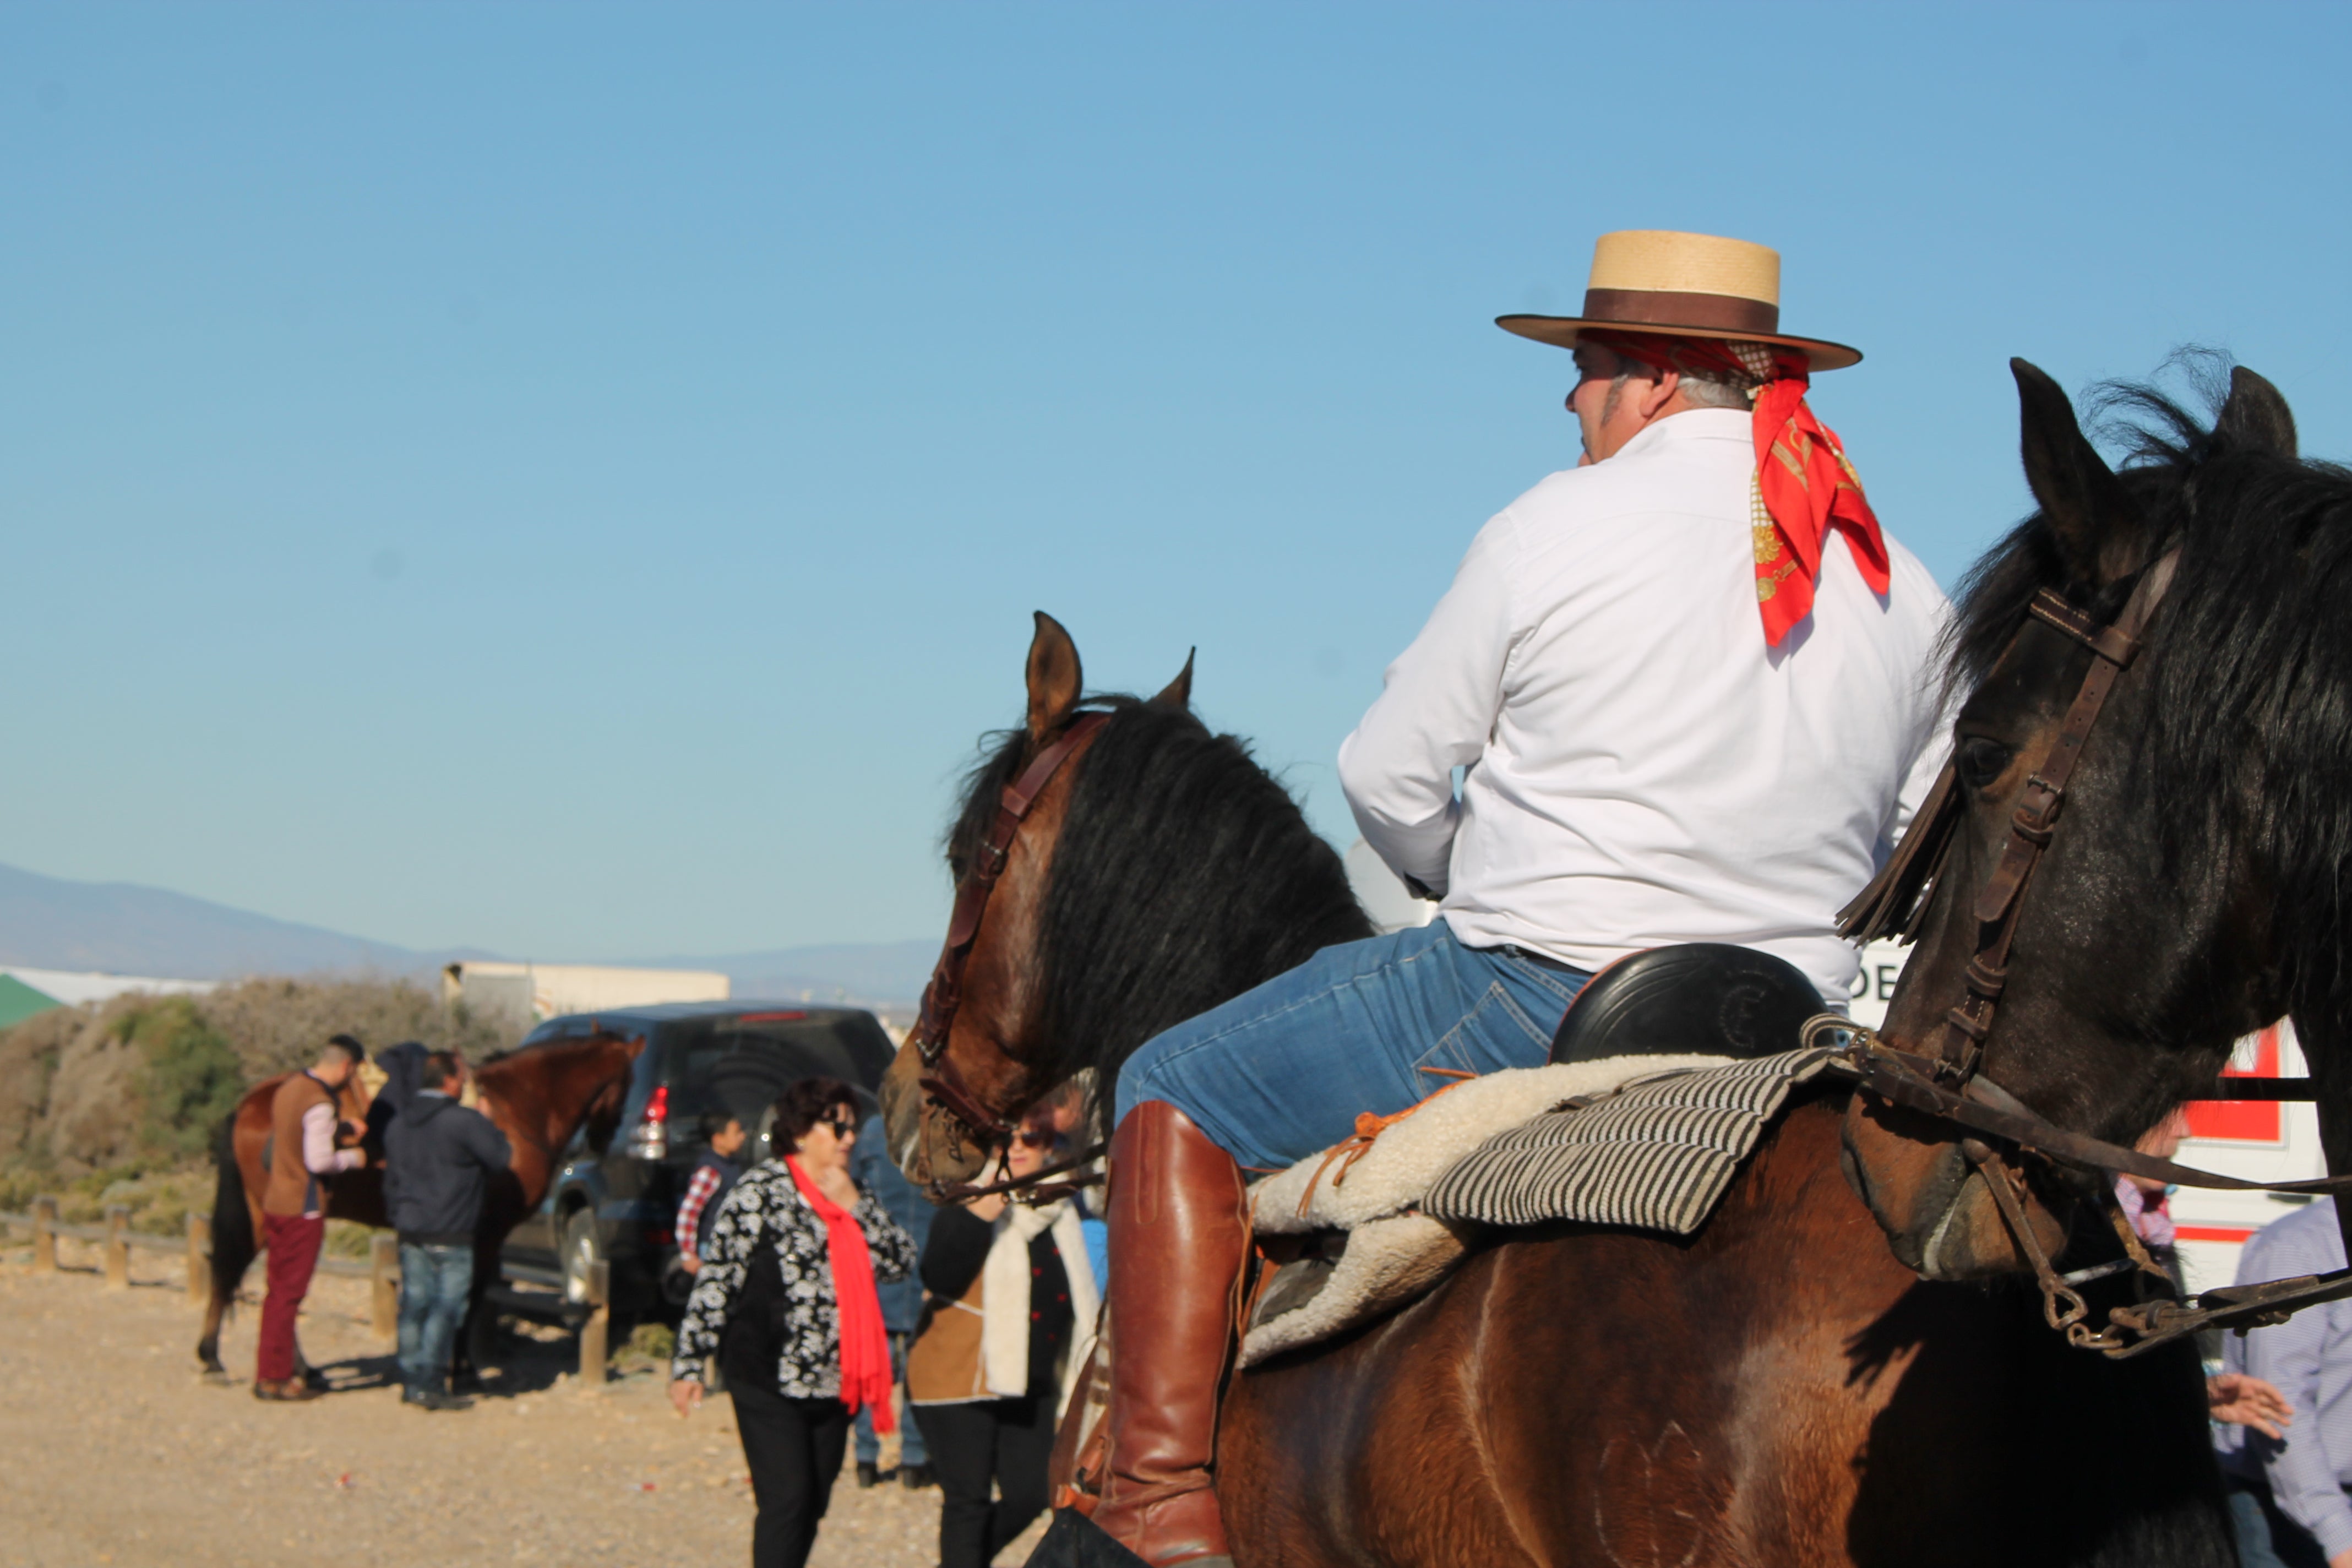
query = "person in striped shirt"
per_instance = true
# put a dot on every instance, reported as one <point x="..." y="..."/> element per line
<point x="707" y="1189"/>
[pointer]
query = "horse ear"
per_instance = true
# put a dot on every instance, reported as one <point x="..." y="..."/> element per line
<point x="1054" y="677"/>
<point x="2256" y="417"/>
<point x="2095" y="520"/>
<point x="1178" y="693"/>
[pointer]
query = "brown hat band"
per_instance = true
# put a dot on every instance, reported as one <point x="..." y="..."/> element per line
<point x="1674" y="307"/>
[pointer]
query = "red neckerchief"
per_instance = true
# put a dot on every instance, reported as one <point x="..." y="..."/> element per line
<point x="1804" y="485"/>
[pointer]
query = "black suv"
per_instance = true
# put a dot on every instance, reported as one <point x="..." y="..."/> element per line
<point x="617" y="1185"/>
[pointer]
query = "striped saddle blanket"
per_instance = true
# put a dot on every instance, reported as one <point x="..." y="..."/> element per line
<point x="1649" y="1141"/>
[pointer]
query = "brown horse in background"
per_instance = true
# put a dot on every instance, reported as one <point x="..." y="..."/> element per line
<point x="1778" y="1387"/>
<point x="538" y="1097"/>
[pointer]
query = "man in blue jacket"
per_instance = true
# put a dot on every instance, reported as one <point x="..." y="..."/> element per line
<point x="438" y="1157"/>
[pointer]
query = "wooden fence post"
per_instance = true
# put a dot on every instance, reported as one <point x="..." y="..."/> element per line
<point x="383" y="1259"/>
<point x="118" y="1250"/>
<point x="595" y="1333"/>
<point x="45" y="1235"/>
<point x="200" y="1258"/>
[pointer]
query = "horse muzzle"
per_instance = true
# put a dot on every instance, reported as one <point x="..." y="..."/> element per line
<point x="1939" y="1217"/>
<point x="928" y="1142"/>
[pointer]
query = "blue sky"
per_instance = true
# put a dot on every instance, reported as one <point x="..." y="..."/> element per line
<point x="573" y="479"/>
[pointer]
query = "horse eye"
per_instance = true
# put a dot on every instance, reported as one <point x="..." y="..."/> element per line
<point x="1981" y="761"/>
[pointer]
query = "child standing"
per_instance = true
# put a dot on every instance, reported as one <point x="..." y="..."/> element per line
<point x="714" y="1175"/>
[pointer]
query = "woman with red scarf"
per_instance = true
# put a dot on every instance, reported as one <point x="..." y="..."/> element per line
<point x="785" y="1303"/>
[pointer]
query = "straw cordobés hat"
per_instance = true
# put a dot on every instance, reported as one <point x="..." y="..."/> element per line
<point x="1682" y="285"/>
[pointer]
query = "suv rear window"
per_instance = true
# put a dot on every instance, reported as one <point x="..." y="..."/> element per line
<point x="747" y="1061"/>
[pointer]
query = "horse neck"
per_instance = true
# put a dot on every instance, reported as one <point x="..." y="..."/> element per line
<point x="546" y="1091"/>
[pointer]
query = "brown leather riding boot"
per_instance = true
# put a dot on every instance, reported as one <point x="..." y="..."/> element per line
<point x="1178" y="1236"/>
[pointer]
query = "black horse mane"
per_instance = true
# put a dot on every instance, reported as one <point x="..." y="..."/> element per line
<point x="1184" y="875"/>
<point x="2250" y="745"/>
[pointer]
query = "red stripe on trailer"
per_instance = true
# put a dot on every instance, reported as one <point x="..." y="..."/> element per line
<point x="2230" y="1233"/>
<point x="2243" y="1121"/>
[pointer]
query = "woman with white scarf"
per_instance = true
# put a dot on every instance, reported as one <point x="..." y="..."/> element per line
<point x="1010" y="1320"/>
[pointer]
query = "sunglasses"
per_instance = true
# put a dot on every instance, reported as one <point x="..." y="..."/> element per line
<point x="1030" y="1138"/>
<point x="842" y="1126"/>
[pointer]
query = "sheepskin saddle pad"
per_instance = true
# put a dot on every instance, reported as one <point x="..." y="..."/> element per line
<point x="1649" y="1141"/>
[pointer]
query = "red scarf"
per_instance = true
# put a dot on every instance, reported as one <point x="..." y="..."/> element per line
<point x="864" y="1343"/>
<point x="1804" y="485"/>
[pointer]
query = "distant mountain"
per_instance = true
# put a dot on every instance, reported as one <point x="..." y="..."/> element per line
<point x="47" y="922"/>
<point x="125" y="928"/>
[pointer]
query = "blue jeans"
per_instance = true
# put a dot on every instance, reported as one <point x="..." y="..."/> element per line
<point x="434" y="1284"/>
<point x="910" y="1436"/>
<point x="1280" y="1072"/>
<point x="2267" y="1538"/>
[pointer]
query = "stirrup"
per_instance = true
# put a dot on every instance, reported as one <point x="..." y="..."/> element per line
<point x="1073" y="1541"/>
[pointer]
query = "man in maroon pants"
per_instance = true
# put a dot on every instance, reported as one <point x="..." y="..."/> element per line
<point x="302" y="1128"/>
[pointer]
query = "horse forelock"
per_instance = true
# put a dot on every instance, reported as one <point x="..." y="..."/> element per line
<point x="1003" y="753"/>
<point x="2245" y="759"/>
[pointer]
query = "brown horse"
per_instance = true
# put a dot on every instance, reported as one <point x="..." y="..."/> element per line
<point x="1780" y="1387"/>
<point x="538" y="1097"/>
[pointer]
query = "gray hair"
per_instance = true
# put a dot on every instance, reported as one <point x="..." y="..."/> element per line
<point x="1718" y="391"/>
<point x="1710" y="388"/>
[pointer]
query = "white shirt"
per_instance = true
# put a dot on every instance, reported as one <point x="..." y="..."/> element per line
<point x="1643" y="768"/>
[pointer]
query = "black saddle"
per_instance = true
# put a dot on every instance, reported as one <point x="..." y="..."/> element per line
<point x="1702" y="998"/>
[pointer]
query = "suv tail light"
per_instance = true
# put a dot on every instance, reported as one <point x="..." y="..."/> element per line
<point x="649" y="1139"/>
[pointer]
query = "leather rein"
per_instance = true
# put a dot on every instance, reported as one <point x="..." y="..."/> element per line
<point x="941" y="1083"/>
<point x="1949" y="1086"/>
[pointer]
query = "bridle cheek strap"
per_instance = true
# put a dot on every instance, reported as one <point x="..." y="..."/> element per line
<point x="941" y="1083"/>
<point x="2001" y="900"/>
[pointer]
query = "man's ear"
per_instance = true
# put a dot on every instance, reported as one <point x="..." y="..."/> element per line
<point x="1662" y="391"/>
<point x="1054" y="677"/>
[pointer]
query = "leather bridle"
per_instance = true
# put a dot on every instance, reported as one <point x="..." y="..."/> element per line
<point x="1949" y="1085"/>
<point x="1896" y="902"/>
<point x="941" y="1083"/>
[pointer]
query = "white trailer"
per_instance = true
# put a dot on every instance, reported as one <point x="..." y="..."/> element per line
<point x="528" y="994"/>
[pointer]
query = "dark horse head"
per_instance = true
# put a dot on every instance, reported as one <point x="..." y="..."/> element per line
<point x="1064" y="980"/>
<point x="2208" y="825"/>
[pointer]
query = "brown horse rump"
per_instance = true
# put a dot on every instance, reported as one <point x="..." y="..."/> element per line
<point x="1647" y="1142"/>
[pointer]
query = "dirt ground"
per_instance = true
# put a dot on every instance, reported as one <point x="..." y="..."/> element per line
<point x="113" y="1449"/>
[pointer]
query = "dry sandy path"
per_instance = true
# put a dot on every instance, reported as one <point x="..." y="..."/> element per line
<point x="115" y="1450"/>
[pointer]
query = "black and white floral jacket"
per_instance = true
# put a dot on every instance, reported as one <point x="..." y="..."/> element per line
<point x="766" y="1208"/>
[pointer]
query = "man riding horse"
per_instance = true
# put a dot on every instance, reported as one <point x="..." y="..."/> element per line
<point x="1691" y="687"/>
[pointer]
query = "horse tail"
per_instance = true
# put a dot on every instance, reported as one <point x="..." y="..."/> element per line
<point x="234" y="1243"/>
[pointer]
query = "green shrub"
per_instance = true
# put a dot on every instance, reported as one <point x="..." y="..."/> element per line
<point x="19" y="1188"/>
<point x="278" y="1026"/>
<point x="188" y="1077"/>
<point x="650" y="1345"/>
<point x="141" y="1082"/>
<point x="347" y="1238"/>
<point x="159" y="1200"/>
